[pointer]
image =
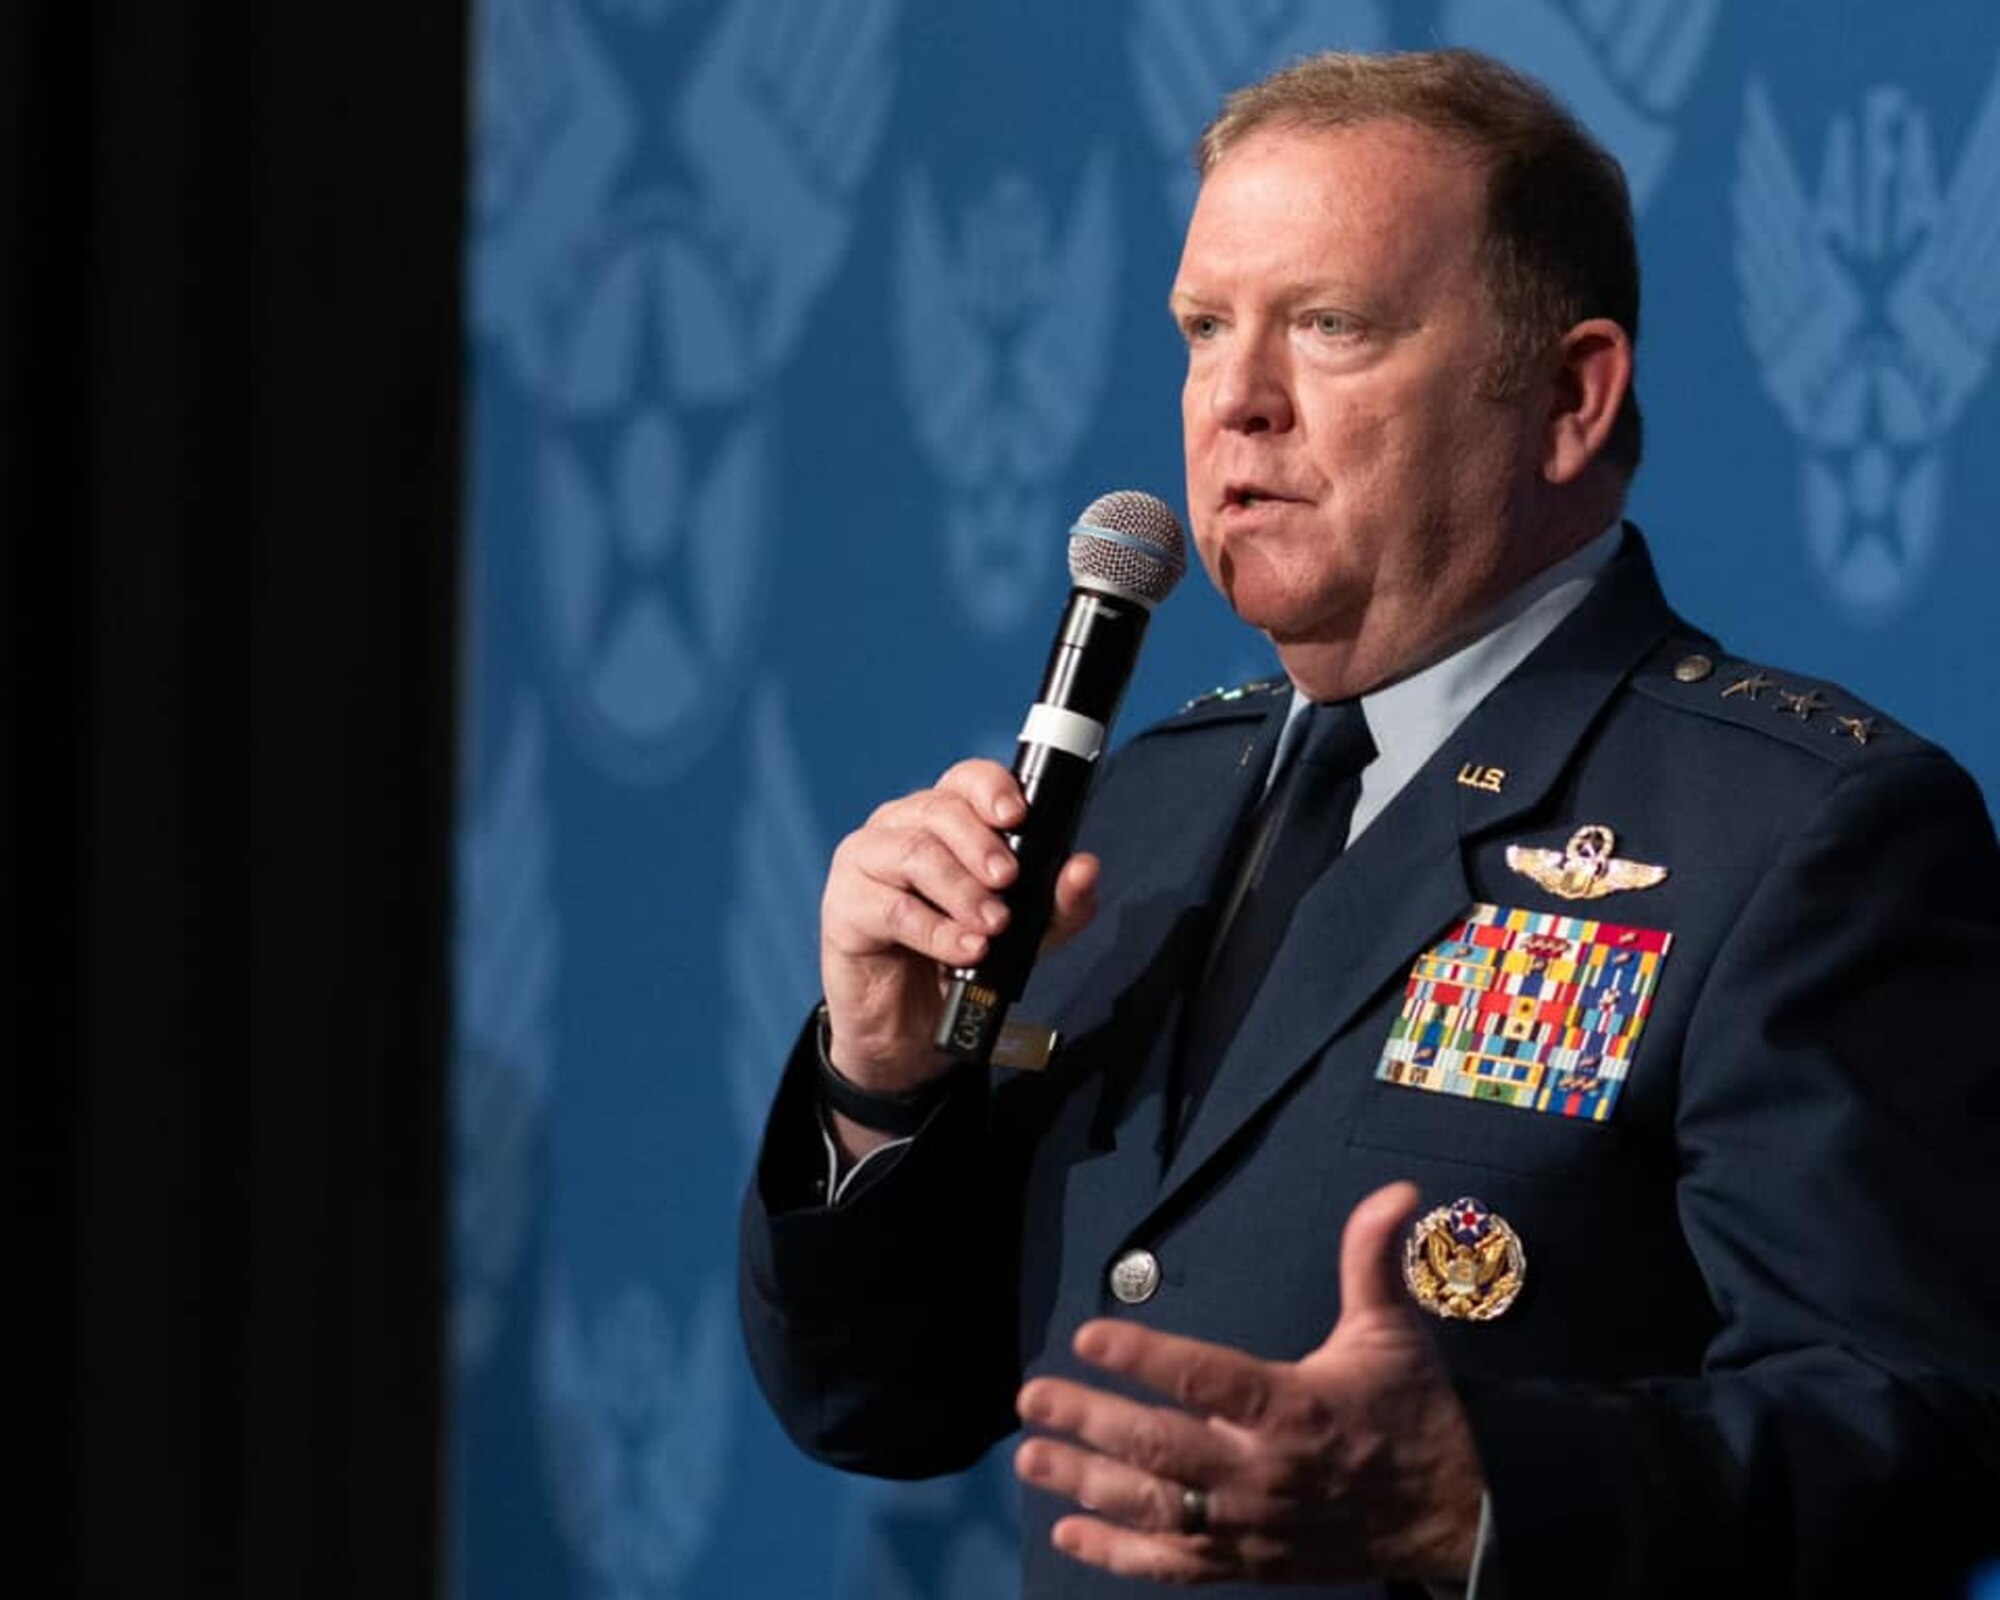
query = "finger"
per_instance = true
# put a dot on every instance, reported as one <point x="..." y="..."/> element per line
<point x="869" y="918"/>
<point x="1371" y="1250"/>
<point x="1076" y="898"/>
<point x="908" y="891"/>
<point x="945" y="852"/>
<point x="940" y="843"/>
<point x="1164" y="1558"/>
<point x="1155" y="1440"/>
<point x="1102" y="1484"/>
<point x="1209" y="1380"/>
<point x="972" y="806"/>
<point x="990" y="788"/>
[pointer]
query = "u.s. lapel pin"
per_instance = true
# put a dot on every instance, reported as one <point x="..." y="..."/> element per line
<point x="1463" y="1263"/>
<point x="1585" y="868"/>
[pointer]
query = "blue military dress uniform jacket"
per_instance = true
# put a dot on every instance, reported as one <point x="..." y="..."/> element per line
<point x="1757" y="1346"/>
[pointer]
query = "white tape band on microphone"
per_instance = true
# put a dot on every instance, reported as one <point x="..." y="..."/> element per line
<point x="1063" y="730"/>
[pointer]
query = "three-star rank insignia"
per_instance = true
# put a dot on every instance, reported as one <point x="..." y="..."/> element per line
<point x="1585" y="868"/>
<point x="1463" y="1263"/>
<point x="1802" y="705"/>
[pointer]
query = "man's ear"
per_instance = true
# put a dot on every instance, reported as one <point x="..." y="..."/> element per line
<point x="1592" y="375"/>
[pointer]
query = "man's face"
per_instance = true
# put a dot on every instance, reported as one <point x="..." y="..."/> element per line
<point x="1355" y="491"/>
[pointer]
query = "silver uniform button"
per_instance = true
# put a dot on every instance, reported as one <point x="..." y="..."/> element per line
<point x="1135" y="1277"/>
<point x="1692" y="669"/>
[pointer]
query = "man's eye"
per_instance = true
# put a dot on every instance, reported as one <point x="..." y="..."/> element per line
<point x="1203" y="327"/>
<point x="1332" y="324"/>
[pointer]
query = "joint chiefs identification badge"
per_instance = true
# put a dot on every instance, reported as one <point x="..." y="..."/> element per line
<point x="1463" y="1263"/>
<point x="1529" y="1008"/>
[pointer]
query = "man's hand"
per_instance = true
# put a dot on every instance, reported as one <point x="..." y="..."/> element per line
<point x="916" y="888"/>
<point x="1356" y="1462"/>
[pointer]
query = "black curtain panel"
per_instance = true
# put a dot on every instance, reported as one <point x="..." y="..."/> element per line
<point x="229" y="480"/>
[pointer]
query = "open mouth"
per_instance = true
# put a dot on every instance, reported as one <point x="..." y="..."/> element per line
<point x="1245" y="497"/>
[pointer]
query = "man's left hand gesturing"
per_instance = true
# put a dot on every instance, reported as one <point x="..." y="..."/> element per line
<point x="1354" y="1462"/>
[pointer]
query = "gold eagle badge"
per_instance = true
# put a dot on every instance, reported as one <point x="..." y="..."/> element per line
<point x="1585" y="868"/>
<point x="1463" y="1263"/>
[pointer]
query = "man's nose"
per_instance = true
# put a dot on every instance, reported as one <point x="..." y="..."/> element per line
<point x="1252" y="388"/>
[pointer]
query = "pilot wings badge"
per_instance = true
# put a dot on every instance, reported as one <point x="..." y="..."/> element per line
<point x="1585" y="868"/>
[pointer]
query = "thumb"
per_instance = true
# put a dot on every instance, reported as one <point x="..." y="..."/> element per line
<point x="1371" y="1248"/>
<point x="1076" y="899"/>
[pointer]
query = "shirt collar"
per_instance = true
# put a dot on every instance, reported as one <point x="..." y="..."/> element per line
<point x="1410" y="718"/>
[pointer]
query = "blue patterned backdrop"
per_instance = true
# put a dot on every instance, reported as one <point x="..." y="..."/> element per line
<point x="799" y="330"/>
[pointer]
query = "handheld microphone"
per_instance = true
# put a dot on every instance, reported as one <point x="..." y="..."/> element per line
<point x="1126" y="553"/>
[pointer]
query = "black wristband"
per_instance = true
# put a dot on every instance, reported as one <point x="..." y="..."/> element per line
<point x="898" y="1113"/>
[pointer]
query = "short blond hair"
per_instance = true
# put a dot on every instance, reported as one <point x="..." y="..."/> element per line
<point x="1559" y="244"/>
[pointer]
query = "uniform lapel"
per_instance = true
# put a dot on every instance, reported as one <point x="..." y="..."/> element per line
<point x="1134" y="960"/>
<point x="1388" y="896"/>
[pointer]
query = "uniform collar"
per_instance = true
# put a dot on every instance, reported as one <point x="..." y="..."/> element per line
<point x="1411" y="718"/>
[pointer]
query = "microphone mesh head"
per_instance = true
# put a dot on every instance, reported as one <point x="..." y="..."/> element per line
<point x="1130" y="544"/>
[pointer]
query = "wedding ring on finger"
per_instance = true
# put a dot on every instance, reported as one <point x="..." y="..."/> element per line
<point x="1194" y="1511"/>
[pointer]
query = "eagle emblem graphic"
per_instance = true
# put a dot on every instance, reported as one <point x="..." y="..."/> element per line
<point x="1585" y="868"/>
<point x="1003" y="329"/>
<point x="1870" y="301"/>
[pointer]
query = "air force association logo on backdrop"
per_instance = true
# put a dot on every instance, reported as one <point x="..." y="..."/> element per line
<point x="505" y="972"/>
<point x="1872" y="302"/>
<point x="1004" y="330"/>
<point x="649" y="241"/>
<point x="636" y="1422"/>
<point x="1622" y="68"/>
<point x="648" y="573"/>
<point x="1186" y="57"/>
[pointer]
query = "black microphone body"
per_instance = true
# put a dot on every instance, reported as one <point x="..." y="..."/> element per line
<point x="1090" y="663"/>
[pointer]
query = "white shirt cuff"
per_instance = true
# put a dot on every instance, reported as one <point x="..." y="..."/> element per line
<point x="837" y="1182"/>
<point x="1469" y="1590"/>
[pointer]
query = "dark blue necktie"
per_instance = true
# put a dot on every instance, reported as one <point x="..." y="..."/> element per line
<point x="1295" y="834"/>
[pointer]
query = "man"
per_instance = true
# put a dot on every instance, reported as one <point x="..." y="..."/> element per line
<point x="1654" y="972"/>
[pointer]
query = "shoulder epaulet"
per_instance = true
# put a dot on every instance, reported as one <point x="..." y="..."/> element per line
<point x="1808" y="713"/>
<point x="1242" y="701"/>
<point x="1255" y="688"/>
